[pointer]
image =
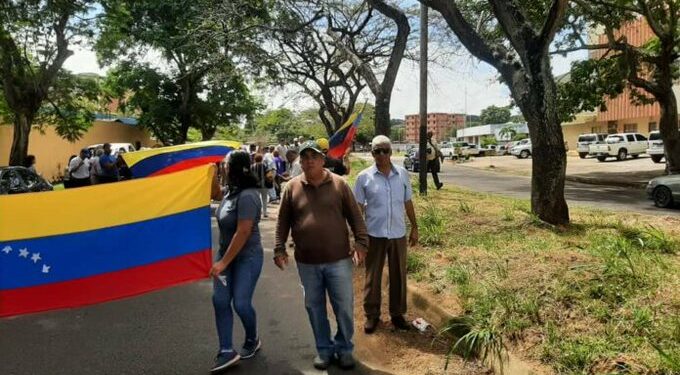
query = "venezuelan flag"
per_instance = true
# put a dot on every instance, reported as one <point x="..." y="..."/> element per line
<point x="341" y="141"/>
<point x="169" y="159"/>
<point x="99" y="243"/>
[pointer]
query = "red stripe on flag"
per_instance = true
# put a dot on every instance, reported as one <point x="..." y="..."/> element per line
<point x="186" y="164"/>
<point x="339" y="151"/>
<point x="106" y="287"/>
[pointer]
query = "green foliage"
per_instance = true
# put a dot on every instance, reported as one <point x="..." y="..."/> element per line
<point x="35" y="37"/>
<point x="495" y="115"/>
<point x="520" y="136"/>
<point x="415" y="262"/>
<point x="488" y="140"/>
<point x="196" y="84"/>
<point x="431" y="226"/>
<point x="507" y="132"/>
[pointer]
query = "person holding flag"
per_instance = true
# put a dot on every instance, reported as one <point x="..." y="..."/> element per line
<point x="337" y="166"/>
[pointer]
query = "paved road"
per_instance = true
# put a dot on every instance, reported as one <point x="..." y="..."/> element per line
<point x="596" y="196"/>
<point x="166" y="332"/>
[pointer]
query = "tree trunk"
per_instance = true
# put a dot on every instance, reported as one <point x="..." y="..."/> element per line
<point x="382" y="114"/>
<point x="22" y="129"/>
<point x="207" y="132"/>
<point x="668" y="127"/>
<point x="548" y="155"/>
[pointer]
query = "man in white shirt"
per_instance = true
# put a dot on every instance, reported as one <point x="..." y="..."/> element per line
<point x="79" y="169"/>
<point x="281" y="148"/>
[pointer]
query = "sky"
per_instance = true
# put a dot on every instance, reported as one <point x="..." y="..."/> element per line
<point x="464" y="86"/>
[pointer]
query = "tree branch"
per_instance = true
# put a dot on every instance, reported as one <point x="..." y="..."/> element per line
<point x="552" y="22"/>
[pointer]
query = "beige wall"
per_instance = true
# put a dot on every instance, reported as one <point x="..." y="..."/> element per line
<point x="571" y="131"/>
<point x="52" y="152"/>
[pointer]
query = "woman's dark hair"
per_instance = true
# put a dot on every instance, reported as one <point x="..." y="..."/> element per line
<point x="239" y="176"/>
<point x="30" y="160"/>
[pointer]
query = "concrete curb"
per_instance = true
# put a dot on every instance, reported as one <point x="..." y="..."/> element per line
<point x="597" y="181"/>
<point x="439" y="318"/>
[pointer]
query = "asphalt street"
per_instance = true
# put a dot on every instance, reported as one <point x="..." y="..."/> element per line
<point x="579" y="194"/>
<point x="166" y="332"/>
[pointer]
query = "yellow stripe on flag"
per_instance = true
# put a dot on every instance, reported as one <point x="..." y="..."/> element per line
<point x="34" y="215"/>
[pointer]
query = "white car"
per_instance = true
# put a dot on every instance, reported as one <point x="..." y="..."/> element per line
<point x="620" y="145"/>
<point x="585" y="140"/>
<point x="655" y="146"/>
<point x="522" y="149"/>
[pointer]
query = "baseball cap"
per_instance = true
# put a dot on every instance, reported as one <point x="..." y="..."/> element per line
<point x="311" y="145"/>
<point x="323" y="143"/>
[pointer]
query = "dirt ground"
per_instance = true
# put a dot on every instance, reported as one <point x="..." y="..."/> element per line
<point x="400" y="352"/>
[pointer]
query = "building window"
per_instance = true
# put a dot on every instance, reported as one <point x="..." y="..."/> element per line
<point x="630" y="128"/>
<point x="596" y="129"/>
<point x="653" y="126"/>
<point x="612" y="127"/>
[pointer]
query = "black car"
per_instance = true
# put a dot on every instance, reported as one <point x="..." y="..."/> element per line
<point x="17" y="180"/>
<point x="412" y="161"/>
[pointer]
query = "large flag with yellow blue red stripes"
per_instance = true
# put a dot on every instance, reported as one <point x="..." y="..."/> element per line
<point x="98" y="243"/>
<point x="162" y="160"/>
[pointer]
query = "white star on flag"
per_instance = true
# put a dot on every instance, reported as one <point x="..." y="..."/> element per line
<point x="7" y="249"/>
<point x="46" y="269"/>
<point x="23" y="253"/>
<point x="36" y="257"/>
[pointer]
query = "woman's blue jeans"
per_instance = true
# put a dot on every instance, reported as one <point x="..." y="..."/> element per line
<point x="241" y="279"/>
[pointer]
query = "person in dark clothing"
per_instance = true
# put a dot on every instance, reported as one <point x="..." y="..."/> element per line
<point x="433" y="160"/>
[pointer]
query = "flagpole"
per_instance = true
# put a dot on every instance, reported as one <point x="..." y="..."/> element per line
<point x="422" y="176"/>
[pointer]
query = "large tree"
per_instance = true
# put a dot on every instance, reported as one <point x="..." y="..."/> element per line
<point x="344" y="31"/>
<point x="195" y="42"/>
<point x="309" y="61"/>
<point x="495" y="115"/>
<point x="649" y="68"/>
<point x="35" y="37"/>
<point x="514" y="37"/>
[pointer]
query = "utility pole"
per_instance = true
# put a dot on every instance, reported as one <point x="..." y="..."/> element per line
<point x="422" y="146"/>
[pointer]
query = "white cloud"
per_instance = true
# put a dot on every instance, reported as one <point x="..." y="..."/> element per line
<point x="84" y="60"/>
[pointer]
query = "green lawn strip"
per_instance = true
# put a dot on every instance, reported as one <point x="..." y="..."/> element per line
<point x="602" y="296"/>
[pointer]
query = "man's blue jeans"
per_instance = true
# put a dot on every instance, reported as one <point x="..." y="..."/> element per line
<point x="241" y="278"/>
<point x="336" y="280"/>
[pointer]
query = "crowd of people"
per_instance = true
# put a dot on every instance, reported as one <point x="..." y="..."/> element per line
<point x="274" y="166"/>
<point x="99" y="166"/>
<point x="316" y="203"/>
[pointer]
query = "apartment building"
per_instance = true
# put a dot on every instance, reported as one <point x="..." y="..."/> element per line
<point x="440" y="124"/>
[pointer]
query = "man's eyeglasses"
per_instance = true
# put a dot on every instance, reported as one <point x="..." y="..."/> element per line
<point x="384" y="151"/>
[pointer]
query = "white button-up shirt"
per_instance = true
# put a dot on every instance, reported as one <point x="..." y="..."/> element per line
<point x="383" y="198"/>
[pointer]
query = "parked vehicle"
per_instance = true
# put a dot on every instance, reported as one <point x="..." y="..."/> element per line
<point x="664" y="190"/>
<point x="585" y="140"/>
<point x="655" y="146"/>
<point x="17" y="180"/>
<point x="448" y="150"/>
<point x="412" y="161"/>
<point x="619" y="145"/>
<point x="473" y="150"/>
<point x="522" y="149"/>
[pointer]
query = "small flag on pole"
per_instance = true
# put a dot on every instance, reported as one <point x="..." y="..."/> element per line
<point x="341" y="141"/>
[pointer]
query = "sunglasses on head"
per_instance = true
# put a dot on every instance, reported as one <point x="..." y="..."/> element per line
<point x="384" y="151"/>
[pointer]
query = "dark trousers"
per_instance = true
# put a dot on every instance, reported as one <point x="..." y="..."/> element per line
<point x="78" y="182"/>
<point x="395" y="250"/>
<point x="433" y="166"/>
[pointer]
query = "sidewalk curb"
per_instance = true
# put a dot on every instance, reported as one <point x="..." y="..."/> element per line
<point x="596" y="181"/>
<point x="438" y="317"/>
<point x="576" y="178"/>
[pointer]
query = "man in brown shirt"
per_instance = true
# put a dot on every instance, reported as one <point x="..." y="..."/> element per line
<point x="316" y="208"/>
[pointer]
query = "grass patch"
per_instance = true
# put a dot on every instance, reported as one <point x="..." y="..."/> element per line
<point x="600" y="296"/>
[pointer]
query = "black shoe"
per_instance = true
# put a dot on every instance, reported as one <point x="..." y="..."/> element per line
<point x="371" y="325"/>
<point x="224" y="360"/>
<point x="346" y="361"/>
<point x="400" y="323"/>
<point x="440" y="185"/>
<point x="321" y="363"/>
<point x="250" y="348"/>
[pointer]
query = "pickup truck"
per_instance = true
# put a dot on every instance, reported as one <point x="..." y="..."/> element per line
<point x="448" y="150"/>
<point x="619" y="145"/>
<point x="655" y="146"/>
<point x="522" y="149"/>
<point x="585" y="140"/>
